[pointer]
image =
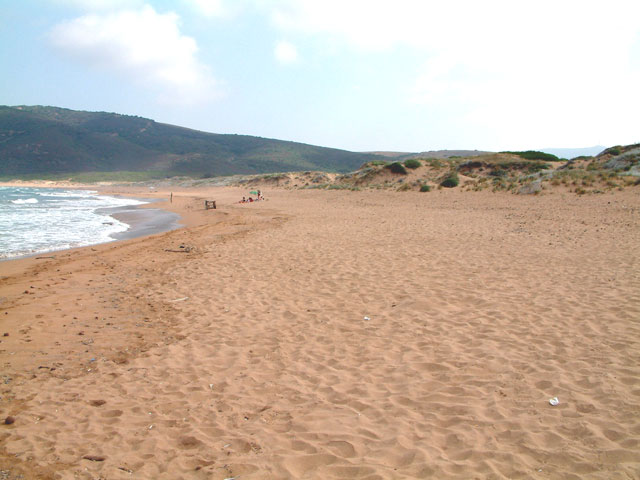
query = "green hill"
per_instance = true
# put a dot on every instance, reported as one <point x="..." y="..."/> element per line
<point x="36" y="140"/>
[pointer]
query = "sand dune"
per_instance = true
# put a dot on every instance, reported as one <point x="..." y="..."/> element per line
<point x="250" y="356"/>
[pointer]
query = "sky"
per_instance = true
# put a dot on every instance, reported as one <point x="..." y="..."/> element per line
<point x="362" y="75"/>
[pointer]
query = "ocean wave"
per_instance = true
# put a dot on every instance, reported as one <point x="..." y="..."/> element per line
<point x="41" y="220"/>
<point x="71" y="193"/>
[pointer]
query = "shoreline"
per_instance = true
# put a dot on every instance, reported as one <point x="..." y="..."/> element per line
<point x="141" y="220"/>
<point x="185" y="206"/>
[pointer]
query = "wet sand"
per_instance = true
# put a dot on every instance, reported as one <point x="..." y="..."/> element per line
<point x="143" y="221"/>
<point x="332" y="334"/>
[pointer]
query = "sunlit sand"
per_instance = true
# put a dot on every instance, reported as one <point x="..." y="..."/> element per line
<point x="238" y="347"/>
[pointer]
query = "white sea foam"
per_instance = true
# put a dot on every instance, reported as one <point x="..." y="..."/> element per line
<point x="35" y="220"/>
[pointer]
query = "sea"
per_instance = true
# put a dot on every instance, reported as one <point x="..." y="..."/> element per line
<point x="39" y="220"/>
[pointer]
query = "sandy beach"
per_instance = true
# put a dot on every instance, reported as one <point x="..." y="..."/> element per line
<point x="332" y="335"/>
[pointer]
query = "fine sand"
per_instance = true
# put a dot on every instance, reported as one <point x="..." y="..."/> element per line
<point x="333" y="334"/>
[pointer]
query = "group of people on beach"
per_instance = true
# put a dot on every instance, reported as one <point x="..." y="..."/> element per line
<point x="251" y="199"/>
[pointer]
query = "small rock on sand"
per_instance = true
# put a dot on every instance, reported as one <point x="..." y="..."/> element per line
<point x="94" y="458"/>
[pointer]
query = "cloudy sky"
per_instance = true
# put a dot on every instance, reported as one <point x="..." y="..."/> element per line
<point x="403" y="75"/>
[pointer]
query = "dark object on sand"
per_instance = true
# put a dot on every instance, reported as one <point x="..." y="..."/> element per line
<point x="9" y="420"/>
<point x="209" y="204"/>
<point x="94" y="458"/>
<point x="183" y="249"/>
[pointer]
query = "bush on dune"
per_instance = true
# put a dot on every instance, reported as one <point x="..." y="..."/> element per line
<point x="412" y="163"/>
<point x="451" y="180"/>
<point x="535" y="155"/>
<point x="397" y="167"/>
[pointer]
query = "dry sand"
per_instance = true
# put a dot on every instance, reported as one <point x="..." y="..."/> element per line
<point x="248" y="355"/>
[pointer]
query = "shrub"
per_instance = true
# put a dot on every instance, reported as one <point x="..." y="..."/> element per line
<point x="397" y="167"/>
<point x="334" y="186"/>
<point x="425" y="188"/>
<point x="535" y="155"/>
<point x="451" y="180"/>
<point x="536" y="167"/>
<point x="412" y="163"/>
<point x="614" y="150"/>
<point x="500" y="168"/>
<point x="593" y="166"/>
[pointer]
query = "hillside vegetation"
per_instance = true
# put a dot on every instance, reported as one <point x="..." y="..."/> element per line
<point x="50" y="141"/>
<point x="518" y="172"/>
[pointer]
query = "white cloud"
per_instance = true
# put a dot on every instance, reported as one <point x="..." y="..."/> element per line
<point x="383" y="24"/>
<point x="142" y="45"/>
<point x="557" y="69"/>
<point x="208" y="8"/>
<point x="363" y="24"/>
<point x="286" y="53"/>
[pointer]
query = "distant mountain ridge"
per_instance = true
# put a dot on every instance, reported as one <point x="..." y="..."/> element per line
<point x="570" y="153"/>
<point x="52" y="140"/>
<point x="431" y="154"/>
<point x="447" y="154"/>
